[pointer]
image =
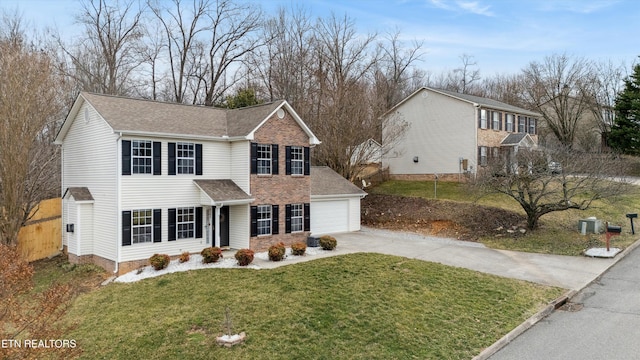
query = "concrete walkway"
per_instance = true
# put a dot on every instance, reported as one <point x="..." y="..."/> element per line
<point x="568" y="272"/>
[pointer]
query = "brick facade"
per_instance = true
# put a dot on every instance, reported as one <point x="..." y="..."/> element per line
<point x="280" y="189"/>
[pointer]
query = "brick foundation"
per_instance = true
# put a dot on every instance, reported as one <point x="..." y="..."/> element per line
<point x="108" y="265"/>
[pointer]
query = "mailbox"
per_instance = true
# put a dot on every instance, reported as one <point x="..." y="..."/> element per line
<point x="614" y="229"/>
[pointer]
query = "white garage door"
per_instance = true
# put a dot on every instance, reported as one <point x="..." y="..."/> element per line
<point x="328" y="217"/>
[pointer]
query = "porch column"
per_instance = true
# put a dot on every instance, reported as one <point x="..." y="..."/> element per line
<point x="216" y="217"/>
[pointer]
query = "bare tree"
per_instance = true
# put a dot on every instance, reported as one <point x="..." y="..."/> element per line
<point x="30" y="104"/>
<point x="232" y="36"/>
<point x="574" y="180"/>
<point x="181" y="26"/>
<point x="559" y="88"/>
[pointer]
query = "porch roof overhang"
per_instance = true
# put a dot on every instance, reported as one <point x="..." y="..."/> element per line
<point x="518" y="139"/>
<point x="222" y="192"/>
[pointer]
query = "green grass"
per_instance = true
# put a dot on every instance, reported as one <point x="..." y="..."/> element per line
<point x="558" y="231"/>
<point x="359" y="306"/>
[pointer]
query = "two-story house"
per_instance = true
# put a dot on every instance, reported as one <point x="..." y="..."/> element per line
<point x="452" y="134"/>
<point x="141" y="177"/>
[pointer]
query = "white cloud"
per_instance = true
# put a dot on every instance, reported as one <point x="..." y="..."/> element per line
<point x="475" y="8"/>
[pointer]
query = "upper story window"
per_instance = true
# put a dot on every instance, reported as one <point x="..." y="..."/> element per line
<point x="141" y="157"/>
<point x="141" y="226"/>
<point x="522" y="124"/>
<point x="532" y="126"/>
<point x="185" y="158"/>
<point x="264" y="159"/>
<point x="297" y="160"/>
<point x="483" y="119"/>
<point x="496" y="122"/>
<point x="509" y="123"/>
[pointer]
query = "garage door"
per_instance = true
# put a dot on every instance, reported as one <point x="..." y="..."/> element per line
<point x="329" y="217"/>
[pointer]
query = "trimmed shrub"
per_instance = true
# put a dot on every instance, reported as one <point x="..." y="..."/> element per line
<point x="277" y="251"/>
<point x="159" y="261"/>
<point x="298" y="248"/>
<point x="211" y="254"/>
<point x="184" y="257"/>
<point x="244" y="257"/>
<point x="328" y="242"/>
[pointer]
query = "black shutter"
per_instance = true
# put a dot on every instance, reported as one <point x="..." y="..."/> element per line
<point x="307" y="217"/>
<point x="254" y="158"/>
<point x="126" y="228"/>
<point x="500" y="116"/>
<point x="198" y="159"/>
<point x="157" y="225"/>
<point x="536" y="126"/>
<point x="275" y="217"/>
<point x="199" y="222"/>
<point x="479" y="118"/>
<point x="307" y="163"/>
<point x="254" y="221"/>
<point x="287" y="218"/>
<point x="157" y="158"/>
<point x="172" y="158"/>
<point x="287" y="158"/>
<point x="274" y="159"/>
<point x="126" y="158"/>
<point x="172" y="225"/>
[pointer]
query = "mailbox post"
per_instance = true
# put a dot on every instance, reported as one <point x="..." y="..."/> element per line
<point x="611" y="230"/>
<point x="631" y="217"/>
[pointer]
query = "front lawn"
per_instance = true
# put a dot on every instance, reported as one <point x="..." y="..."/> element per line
<point x="359" y="306"/>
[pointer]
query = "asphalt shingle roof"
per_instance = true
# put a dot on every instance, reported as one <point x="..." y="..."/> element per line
<point x="222" y="190"/>
<point x="325" y="181"/>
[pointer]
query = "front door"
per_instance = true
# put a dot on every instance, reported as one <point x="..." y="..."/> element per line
<point x="224" y="226"/>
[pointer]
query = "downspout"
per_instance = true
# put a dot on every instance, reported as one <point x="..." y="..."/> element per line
<point x="118" y="201"/>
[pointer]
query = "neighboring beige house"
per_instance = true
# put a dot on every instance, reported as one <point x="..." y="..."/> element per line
<point x="452" y="135"/>
<point x="141" y="177"/>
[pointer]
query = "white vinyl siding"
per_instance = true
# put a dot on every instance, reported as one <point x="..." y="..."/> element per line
<point x="239" y="226"/>
<point x="439" y="144"/>
<point x="90" y="158"/>
<point x="240" y="169"/>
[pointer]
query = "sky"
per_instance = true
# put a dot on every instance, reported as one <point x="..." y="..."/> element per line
<point x="503" y="36"/>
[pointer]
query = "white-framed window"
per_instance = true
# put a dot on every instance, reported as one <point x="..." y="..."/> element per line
<point x="297" y="217"/>
<point x="185" y="222"/>
<point x="264" y="220"/>
<point x="264" y="159"/>
<point x="297" y="160"/>
<point x="483" y="119"/>
<point x="522" y="124"/>
<point x="185" y="158"/>
<point x="509" y="123"/>
<point x="497" y="117"/>
<point x="141" y="156"/>
<point x="141" y="226"/>
<point x="482" y="155"/>
<point x="532" y="126"/>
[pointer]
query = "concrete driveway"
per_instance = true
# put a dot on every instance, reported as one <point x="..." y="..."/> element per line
<point x="569" y="272"/>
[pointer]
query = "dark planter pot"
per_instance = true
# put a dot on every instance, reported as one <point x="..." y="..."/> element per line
<point x="313" y="241"/>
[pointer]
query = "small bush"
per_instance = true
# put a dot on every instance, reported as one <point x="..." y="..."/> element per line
<point x="159" y="261"/>
<point x="211" y="254"/>
<point x="298" y="248"/>
<point x="277" y="251"/>
<point x="244" y="257"/>
<point x="184" y="257"/>
<point x="328" y="242"/>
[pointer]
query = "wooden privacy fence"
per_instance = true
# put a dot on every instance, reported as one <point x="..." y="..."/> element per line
<point x="41" y="237"/>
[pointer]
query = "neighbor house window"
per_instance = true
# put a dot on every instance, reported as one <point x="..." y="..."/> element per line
<point x="482" y="156"/>
<point x="297" y="217"/>
<point x="185" y="222"/>
<point x="497" y="119"/>
<point x="264" y="159"/>
<point x="185" y="158"/>
<point x="509" y="125"/>
<point x="141" y="157"/>
<point x="522" y="124"/>
<point x="264" y="219"/>
<point x="483" y="119"/>
<point x="532" y="126"/>
<point x="297" y="160"/>
<point x="141" y="226"/>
